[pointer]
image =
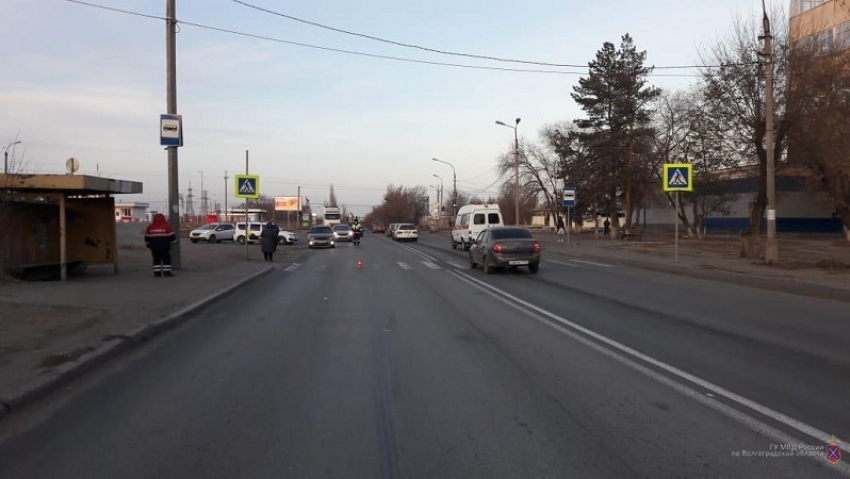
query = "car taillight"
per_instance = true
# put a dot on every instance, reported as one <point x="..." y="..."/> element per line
<point x="498" y="247"/>
<point x="536" y="246"/>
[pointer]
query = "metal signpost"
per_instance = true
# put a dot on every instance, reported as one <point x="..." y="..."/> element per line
<point x="678" y="177"/>
<point x="569" y="201"/>
<point x="247" y="186"/>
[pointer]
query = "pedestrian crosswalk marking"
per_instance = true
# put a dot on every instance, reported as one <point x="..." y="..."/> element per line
<point x="431" y="265"/>
<point x="678" y="179"/>
<point x="247" y="187"/>
<point x="455" y="265"/>
<point x="292" y="267"/>
<point x="404" y="266"/>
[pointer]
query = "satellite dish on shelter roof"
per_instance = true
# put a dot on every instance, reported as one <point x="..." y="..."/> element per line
<point x="72" y="165"/>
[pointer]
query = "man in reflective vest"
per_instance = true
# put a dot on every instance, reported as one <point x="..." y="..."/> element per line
<point x="158" y="238"/>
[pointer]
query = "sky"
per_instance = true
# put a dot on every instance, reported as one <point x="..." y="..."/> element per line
<point x="83" y="82"/>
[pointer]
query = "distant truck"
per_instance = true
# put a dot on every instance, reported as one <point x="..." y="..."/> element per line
<point x="331" y="215"/>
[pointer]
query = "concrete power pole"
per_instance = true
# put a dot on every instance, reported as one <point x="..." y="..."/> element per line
<point x="226" y="218"/>
<point x="173" y="170"/>
<point x="771" y="254"/>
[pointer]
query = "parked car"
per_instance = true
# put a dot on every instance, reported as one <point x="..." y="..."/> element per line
<point x="406" y="232"/>
<point x="254" y="228"/>
<point x="212" y="233"/>
<point x="390" y="229"/>
<point x="378" y="227"/>
<point x="321" y="236"/>
<point x="287" y="237"/>
<point x="343" y="232"/>
<point x="503" y="246"/>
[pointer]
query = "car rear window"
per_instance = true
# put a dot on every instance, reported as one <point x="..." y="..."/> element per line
<point x="510" y="233"/>
<point x="407" y="227"/>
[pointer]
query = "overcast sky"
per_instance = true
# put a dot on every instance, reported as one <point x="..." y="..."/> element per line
<point x="82" y="82"/>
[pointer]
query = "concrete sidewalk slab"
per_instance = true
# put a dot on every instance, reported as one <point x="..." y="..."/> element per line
<point x="51" y="332"/>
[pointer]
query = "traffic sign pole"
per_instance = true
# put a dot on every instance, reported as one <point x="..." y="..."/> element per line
<point x="569" y="225"/>
<point x="676" y="221"/>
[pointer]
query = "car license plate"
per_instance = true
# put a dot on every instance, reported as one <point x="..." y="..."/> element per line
<point x="518" y="262"/>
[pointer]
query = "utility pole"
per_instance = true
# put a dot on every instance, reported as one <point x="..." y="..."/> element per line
<point x="225" y="195"/>
<point x="173" y="170"/>
<point x="516" y="172"/>
<point x="771" y="254"/>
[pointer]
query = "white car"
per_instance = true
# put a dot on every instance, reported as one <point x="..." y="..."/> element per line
<point x="287" y="237"/>
<point x="406" y="232"/>
<point x="212" y="233"/>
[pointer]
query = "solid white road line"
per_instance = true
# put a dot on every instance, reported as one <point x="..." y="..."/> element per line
<point x="561" y="263"/>
<point x="601" y="265"/>
<point x="627" y="356"/>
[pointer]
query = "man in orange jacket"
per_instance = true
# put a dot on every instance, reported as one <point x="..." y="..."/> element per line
<point x="158" y="238"/>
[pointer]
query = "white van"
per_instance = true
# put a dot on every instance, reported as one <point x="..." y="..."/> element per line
<point x="473" y="219"/>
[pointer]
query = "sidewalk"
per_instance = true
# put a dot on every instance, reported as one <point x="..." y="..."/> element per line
<point x="810" y="264"/>
<point x="51" y="331"/>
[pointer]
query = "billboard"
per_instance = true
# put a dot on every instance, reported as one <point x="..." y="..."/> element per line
<point x="286" y="203"/>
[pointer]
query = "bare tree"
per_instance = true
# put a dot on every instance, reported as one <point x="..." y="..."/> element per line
<point x="734" y="94"/>
<point x="819" y="100"/>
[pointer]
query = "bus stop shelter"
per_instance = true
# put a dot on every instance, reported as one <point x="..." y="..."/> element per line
<point x="50" y="223"/>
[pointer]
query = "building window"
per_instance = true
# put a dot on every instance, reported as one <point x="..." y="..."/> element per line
<point x="800" y="6"/>
<point x="126" y="212"/>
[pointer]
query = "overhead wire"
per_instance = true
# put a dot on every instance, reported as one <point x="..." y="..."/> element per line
<point x="448" y="52"/>
<point x="364" y="54"/>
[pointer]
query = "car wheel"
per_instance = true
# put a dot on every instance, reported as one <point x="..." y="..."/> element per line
<point x="472" y="263"/>
<point x="533" y="268"/>
<point x="212" y="239"/>
<point x="454" y="245"/>
<point x="194" y="241"/>
<point x="463" y="245"/>
<point x="240" y="240"/>
<point x="488" y="268"/>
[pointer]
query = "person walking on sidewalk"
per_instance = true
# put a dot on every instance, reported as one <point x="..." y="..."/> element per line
<point x="561" y="230"/>
<point x="607" y="226"/>
<point x="269" y="240"/>
<point x="158" y="238"/>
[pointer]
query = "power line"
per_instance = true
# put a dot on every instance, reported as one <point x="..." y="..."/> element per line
<point x="446" y="52"/>
<point x="357" y="53"/>
<point x="112" y="9"/>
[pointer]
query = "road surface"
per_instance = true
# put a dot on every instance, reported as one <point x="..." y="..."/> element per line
<point x="417" y="366"/>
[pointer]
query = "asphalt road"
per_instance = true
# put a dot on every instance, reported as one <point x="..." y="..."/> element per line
<point x="417" y="366"/>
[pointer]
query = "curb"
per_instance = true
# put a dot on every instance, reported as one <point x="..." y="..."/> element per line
<point x="63" y="374"/>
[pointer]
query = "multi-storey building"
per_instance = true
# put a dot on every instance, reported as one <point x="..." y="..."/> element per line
<point x="825" y="23"/>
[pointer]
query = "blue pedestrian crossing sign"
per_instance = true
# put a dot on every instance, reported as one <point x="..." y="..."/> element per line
<point x="678" y="177"/>
<point x="247" y="186"/>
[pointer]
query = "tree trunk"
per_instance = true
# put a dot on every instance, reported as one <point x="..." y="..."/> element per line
<point x="751" y="236"/>
<point x="844" y="214"/>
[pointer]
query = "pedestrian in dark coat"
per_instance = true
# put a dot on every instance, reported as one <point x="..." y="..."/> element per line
<point x="158" y="238"/>
<point x="269" y="240"/>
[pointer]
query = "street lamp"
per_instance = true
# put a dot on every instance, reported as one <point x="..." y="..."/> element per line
<point x="516" y="165"/>
<point x="6" y="156"/>
<point x="440" y="195"/>
<point x="454" y="187"/>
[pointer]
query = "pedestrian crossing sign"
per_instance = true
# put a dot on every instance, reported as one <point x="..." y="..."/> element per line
<point x="247" y="186"/>
<point x="678" y="177"/>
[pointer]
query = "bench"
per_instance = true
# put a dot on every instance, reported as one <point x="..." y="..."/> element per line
<point x="631" y="235"/>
